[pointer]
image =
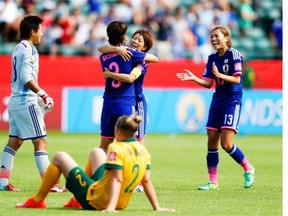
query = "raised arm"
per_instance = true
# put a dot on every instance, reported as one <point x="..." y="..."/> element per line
<point x="151" y="194"/>
<point x="189" y="76"/>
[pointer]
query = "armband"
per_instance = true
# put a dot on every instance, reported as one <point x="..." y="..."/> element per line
<point x="136" y="72"/>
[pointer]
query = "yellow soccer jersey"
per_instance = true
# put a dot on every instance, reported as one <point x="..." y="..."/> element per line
<point x="133" y="159"/>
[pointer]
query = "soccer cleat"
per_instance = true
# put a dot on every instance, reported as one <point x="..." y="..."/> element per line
<point x="58" y="189"/>
<point x="249" y="178"/>
<point x="30" y="203"/>
<point x="209" y="187"/>
<point x="72" y="203"/>
<point x="139" y="189"/>
<point x="9" y="187"/>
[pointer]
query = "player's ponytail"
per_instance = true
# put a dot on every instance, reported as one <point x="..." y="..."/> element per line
<point x="128" y="124"/>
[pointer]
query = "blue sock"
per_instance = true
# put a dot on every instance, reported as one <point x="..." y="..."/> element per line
<point x="212" y="165"/>
<point x="212" y="158"/>
<point x="236" y="154"/>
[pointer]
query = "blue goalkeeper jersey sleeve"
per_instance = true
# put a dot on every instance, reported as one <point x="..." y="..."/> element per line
<point x="117" y="91"/>
<point x="230" y="64"/>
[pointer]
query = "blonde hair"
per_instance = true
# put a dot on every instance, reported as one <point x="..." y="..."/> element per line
<point x="225" y="32"/>
<point x="128" y="124"/>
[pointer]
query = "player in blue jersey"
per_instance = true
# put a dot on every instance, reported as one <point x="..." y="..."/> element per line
<point x="225" y="67"/>
<point x="141" y="40"/>
<point x="26" y="117"/>
<point x="119" y="97"/>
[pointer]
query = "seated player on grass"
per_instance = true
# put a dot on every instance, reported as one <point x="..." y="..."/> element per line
<point x="127" y="164"/>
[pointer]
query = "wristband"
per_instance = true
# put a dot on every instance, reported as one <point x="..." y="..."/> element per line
<point x="41" y="92"/>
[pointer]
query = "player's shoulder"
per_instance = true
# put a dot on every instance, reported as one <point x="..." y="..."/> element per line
<point x="212" y="55"/>
<point x="133" y="50"/>
<point x="236" y="54"/>
<point x="24" y="44"/>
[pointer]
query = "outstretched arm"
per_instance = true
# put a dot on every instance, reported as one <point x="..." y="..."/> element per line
<point x="151" y="194"/>
<point x="190" y="76"/>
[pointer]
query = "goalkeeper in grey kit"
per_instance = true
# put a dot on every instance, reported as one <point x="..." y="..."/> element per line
<point x="26" y="117"/>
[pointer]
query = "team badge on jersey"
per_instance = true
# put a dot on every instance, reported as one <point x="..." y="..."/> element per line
<point x="112" y="156"/>
<point x="32" y="60"/>
<point x="225" y="68"/>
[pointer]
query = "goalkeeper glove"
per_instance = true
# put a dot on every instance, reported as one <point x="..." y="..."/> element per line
<point x="45" y="101"/>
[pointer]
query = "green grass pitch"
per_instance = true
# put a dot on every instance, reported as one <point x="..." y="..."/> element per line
<point x="178" y="168"/>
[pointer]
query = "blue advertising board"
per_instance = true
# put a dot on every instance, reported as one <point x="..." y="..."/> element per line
<point x="175" y="110"/>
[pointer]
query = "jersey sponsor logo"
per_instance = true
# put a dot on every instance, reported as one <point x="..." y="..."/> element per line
<point x="112" y="156"/>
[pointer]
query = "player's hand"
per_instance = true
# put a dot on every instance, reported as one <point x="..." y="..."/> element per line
<point x="45" y="101"/>
<point x="160" y="209"/>
<point x="186" y="76"/>
<point x="124" y="53"/>
<point x="110" y="210"/>
<point x="106" y="73"/>
<point x="215" y="71"/>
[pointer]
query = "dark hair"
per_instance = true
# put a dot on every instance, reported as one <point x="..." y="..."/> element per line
<point x="29" y="23"/>
<point x="116" y="32"/>
<point x="128" y="124"/>
<point x="225" y="32"/>
<point x="148" y="38"/>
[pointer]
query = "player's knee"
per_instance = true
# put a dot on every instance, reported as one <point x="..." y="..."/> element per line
<point x="226" y="146"/>
<point x="59" y="157"/>
<point x="97" y="152"/>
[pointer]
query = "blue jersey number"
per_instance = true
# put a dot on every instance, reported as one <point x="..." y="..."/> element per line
<point x="14" y="68"/>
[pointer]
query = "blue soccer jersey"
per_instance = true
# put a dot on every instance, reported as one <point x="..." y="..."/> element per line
<point x="229" y="64"/>
<point x="117" y="91"/>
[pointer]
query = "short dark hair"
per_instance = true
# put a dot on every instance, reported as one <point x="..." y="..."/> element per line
<point x="29" y="23"/>
<point x="116" y="31"/>
<point x="147" y="36"/>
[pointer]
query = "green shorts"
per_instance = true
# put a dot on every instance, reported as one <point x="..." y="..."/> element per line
<point x="78" y="183"/>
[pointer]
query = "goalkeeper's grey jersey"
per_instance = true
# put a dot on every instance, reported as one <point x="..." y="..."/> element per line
<point x="25" y="66"/>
